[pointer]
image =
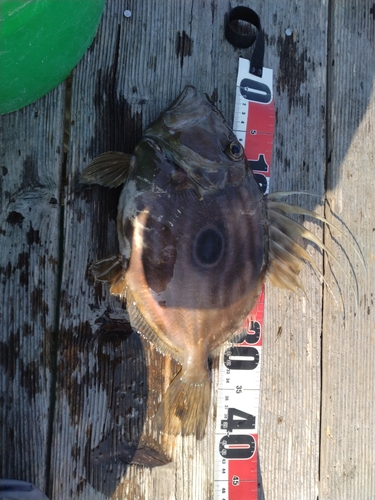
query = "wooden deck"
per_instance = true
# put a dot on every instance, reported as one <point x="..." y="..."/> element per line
<point x="77" y="385"/>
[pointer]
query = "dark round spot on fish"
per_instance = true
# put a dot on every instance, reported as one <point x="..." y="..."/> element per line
<point x="209" y="246"/>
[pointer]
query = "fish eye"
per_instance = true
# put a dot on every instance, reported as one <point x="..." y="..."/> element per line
<point x="234" y="151"/>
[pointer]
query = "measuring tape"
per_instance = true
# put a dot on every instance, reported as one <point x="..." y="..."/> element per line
<point x="236" y="436"/>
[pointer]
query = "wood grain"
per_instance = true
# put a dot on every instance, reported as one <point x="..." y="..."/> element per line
<point x="31" y="159"/>
<point x="348" y="376"/>
<point x="290" y="377"/>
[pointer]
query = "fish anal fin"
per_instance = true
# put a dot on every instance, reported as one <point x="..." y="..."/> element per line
<point x="184" y="407"/>
<point x="140" y="324"/>
<point x="110" y="169"/>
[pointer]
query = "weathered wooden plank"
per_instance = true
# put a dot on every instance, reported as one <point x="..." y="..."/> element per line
<point x="98" y="367"/>
<point x="348" y="385"/>
<point x="290" y="377"/>
<point x="31" y="158"/>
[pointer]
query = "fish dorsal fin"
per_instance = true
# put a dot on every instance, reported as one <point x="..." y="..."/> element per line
<point x="110" y="169"/>
<point x="284" y="251"/>
<point x="112" y="270"/>
<point x="286" y="255"/>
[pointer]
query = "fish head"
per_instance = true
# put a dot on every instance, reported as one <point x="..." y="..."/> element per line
<point x="199" y="149"/>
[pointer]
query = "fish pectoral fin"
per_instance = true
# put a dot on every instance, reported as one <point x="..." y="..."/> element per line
<point x="110" y="169"/>
<point x="112" y="270"/>
<point x="185" y="406"/>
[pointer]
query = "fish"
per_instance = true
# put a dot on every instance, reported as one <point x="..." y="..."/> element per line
<point x="197" y="240"/>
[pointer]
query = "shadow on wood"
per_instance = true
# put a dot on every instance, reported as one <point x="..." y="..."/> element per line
<point x="121" y="373"/>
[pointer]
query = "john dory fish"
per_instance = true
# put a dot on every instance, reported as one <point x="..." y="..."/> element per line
<point x="197" y="239"/>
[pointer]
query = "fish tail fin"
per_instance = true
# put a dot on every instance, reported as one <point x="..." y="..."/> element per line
<point x="184" y="407"/>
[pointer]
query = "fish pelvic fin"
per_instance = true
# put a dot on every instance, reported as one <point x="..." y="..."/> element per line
<point x="111" y="169"/>
<point x="112" y="270"/>
<point x="185" y="406"/>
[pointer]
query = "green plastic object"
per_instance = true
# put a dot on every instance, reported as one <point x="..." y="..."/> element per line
<point x="40" y="43"/>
